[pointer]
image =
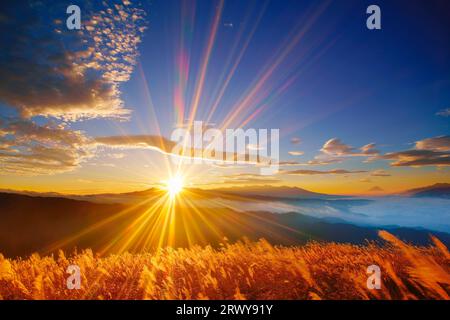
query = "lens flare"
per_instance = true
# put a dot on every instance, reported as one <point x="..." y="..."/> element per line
<point x="174" y="185"/>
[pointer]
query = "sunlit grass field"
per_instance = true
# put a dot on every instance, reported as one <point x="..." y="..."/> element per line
<point x="244" y="270"/>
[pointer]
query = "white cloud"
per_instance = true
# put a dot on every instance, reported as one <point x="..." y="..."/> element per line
<point x="444" y="113"/>
<point x="296" y="153"/>
<point x="67" y="75"/>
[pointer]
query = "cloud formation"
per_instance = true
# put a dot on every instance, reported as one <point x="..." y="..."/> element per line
<point x="380" y="173"/>
<point x="428" y="152"/>
<point x="48" y="70"/>
<point x="319" y="172"/>
<point x="322" y="160"/>
<point x="63" y="75"/>
<point x="296" y="153"/>
<point x="154" y="142"/>
<point x="444" y="112"/>
<point x="417" y="158"/>
<point x="167" y="147"/>
<point x="335" y="147"/>
<point x="441" y="143"/>
<point x="30" y="149"/>
<point x="249" y="178"/>
<point x="290" y="163"/>
<point x="335" y="151"/>
<point x="317" y="161"/>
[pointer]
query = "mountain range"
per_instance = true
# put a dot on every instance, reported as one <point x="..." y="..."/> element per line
<point x="38" y="222"/>
<point x="438" y="190"/>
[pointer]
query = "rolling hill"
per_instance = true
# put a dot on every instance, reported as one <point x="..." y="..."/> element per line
<point x="40" y="224"/>
<point x="438" y="190"/>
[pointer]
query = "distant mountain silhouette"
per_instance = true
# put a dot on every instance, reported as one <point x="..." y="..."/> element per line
<point x="254" y="192"/>
<point x="438" y="190"/>
<point x="376" y="189"/>
<point x="44" y="224"/>
<point x="274" y="192"/>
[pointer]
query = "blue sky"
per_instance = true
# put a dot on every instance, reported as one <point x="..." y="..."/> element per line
<point x="386" y="86"/>
<point x="332" y="78"/>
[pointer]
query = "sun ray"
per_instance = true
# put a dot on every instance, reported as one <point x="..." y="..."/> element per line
<point x="174" y="185"/>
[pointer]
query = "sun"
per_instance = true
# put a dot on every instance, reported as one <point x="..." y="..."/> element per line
<point x="174" y="185"/>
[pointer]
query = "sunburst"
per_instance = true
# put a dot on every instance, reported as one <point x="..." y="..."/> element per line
<point x="174" y="185"/>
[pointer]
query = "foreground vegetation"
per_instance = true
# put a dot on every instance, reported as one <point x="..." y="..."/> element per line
<point x="242" y="270"/>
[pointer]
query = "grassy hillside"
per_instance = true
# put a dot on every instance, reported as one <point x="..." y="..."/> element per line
<point x="246" y="270"/>
<point x="46" y="224"/>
